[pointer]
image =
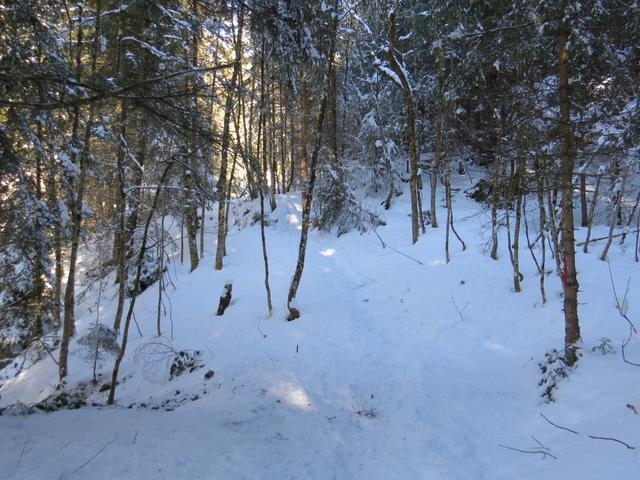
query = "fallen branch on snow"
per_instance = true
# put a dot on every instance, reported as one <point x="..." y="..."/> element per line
<point x="95" y="455"/>
<point x="594" y="437"/>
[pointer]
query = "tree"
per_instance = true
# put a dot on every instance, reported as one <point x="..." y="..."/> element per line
<point x="398" y="74"/>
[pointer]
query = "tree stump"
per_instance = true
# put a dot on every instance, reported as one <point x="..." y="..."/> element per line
<point x="225" y="299"/>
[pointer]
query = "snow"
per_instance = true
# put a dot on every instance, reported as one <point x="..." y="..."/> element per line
<point x="391" y="74"/>
<point x="380" y="378"/>
<point x="457" y="34"/>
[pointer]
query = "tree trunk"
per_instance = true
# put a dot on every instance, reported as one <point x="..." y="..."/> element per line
<point x="543" y="221"/>
<point x="437" y="160"/>
<point x="567" y="161"/>
<point x="136" y="288"/>
<point x="306" y="211"/>
<point x="516" y="229"/>
<point x="615" y="216"/>
<point x="68" y="326"/>
<point x="592" y="211"/>
<point x="272" y="145"/>
<point x="120" y="239"/>
<point x="222" y="179"/>
<point x="495" y="195"/>
<point x="304" y="140"/>
<point x="283" y="143"/>
<point x="190" y="219"/>
<point x="52" y="201"/>
<point x="583" y="200"/>
<point x="190" y="211"/>
<point x="414" y="180"/>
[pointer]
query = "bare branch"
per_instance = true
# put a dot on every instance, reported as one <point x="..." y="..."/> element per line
<point x="385" y="245"/>
<point x="95" y="455"/>
<point x="594" y="437"/>
<point x="541" y="452"/>
<point x="558" y="426"/>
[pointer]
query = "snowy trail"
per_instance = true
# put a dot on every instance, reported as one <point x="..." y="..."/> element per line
<point x="381" y="378"/>
<point x="429" y="395"/>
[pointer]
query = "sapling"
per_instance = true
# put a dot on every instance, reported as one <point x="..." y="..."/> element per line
<point x="100" y="342"/>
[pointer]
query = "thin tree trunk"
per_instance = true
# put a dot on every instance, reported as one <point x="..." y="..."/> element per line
<point x="229" y="190"/>
<point x="543" y="222"/>
<point x="435" y="170"/>
<point x="592" y="211"/>
<point x="615" y="215"/>
<point x="182" y="240"/>
<point x="283" y="143"/>
<point x="447" y="188"/>
<point x="387" y="157"/>
<point x="437" y="161"/>
<point x="120" y="239"/>
<point x="567" y="161"/>
<point x="160" y="240"/>
<point x="495" y="195"/>
<point x="52" y="200"/>
<point x="555" y="235"/>
<point x="247" y="153"/>
<point x="68" y="327"/>
<point x="292" y="152"/>
<point x="136" y="289"/>
<point x="272" y="146"/>
<point x="190" y="211"/>
<point x="630" y="218"/>
<point x="530" y="245"/>
<point x="202" y="223"/>
<point x="306" y="211"/>
<point x="190" y="219"/>
<point x="584" y="219"/>
<point x="304" y="140"/>
<point x="414" y="180"/>
<point x="517" y="276"/>
<point x="222" y="179"/>
<point x="264" y="251"/>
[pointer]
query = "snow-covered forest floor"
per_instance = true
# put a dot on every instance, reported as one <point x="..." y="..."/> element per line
<point x="399" y="368"/>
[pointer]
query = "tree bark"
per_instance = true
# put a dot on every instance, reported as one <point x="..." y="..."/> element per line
<point x="584" y="218"/>
<point x="516" y="229"/>
<point x="495" y="195"/>
<point x="615" y="216"/>
<point x="592" y="211"/>
<point x="306" y="211"/>
<point x="190" y="211"/>
<point x="543" y="221"/>
<point x="68" y="326"/>
<point x="567" y="161"/>
<point x="222" y="179"/>
<point x="120" y="239"/>
<point x="437" y="160"/>
<point x="414" y="179"/>
<point x="136" y="288"/>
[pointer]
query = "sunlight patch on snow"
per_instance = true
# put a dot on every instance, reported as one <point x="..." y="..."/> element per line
<point x="497" y="347"/>
<point x="293" y="219"/>
<point x="438" y="261"/>
<point x="327" y="252"/>
<point x="293" y="395"/>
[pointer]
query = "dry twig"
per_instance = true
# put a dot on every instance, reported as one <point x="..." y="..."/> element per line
<point x="95" y="455"/>
<point x="594" y="437"/>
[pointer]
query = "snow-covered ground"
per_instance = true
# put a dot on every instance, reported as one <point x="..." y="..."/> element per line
<point x="397" y="369"/>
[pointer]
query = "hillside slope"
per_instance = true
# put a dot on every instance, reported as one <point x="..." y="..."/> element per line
<point x="398" y="368"/>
